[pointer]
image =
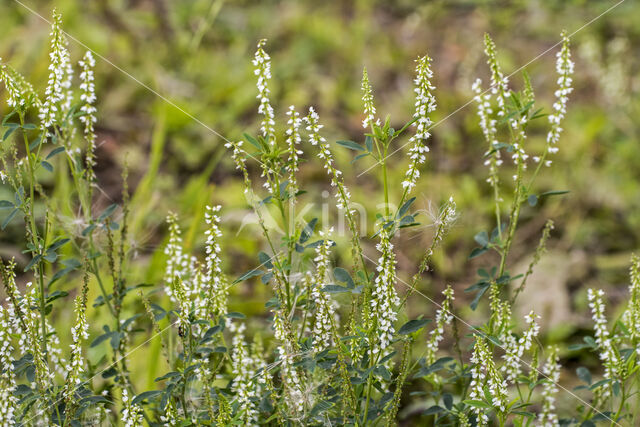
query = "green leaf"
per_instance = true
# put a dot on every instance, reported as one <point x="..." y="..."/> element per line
<point x="482" y="238"/>
<point x="368" y="142"/>
<point x="405" y="207"/>
<point x="477" y="404"/>
<point x="409" y="123"/>
<point x="584" y="374"/>
<point x="146" y="395"/>
<point x="236" y="315"/>
<point x="33" y="261"/>
<point x="107" y="212"/>
<point x="54" y="296"/>
<point x="29" y="126"/>
<point x="55" y="151"/>
<point x="335" y="289"/>
<point x="58" y="243"/>
<point x="533" y="200"/>
<point x="435" y="409"/>
<point x="358" y="157"/>
<point x="307" y="232"/>
<point x="8" y="133"/>
<point x="554" y="193"/>
<point x="476" y="252"/>
<point x="8" y="219"/>
<point x="169" y="375"/>
<point x="102" y="338"/>
<point x="5" y="204"/>
<point x="476" y="300"/>
<point x="343" y="276"/>
<point x="88" y="230"/>
<point x="34" y="144"/>
<point x="252" y="141"/>
<point x="447" y="399"/>
<point x="48" y="166"/>
<point x="413" y="326"/>
<point x="265" y="260"/>
<point x="351" y="145"/>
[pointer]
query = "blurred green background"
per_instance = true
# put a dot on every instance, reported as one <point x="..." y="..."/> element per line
<point x="166" y="62"/>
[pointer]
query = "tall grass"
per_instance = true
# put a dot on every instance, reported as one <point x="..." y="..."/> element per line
<point x="336" y="343"/>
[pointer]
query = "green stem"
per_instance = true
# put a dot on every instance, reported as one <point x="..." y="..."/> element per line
<point x="386" y="185"/>
<point x="369" y="387"/>
<point x="35" y="241"/>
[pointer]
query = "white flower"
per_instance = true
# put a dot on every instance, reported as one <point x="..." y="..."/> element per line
<point x="367" y="100"/>
<point x="631" y="316"/>
<point x="214" y="279"/>
<point x="88" y="110"/>
<point x="515" y="349"/>
<point x="342" y="194"/>
<point x="244" y="385"/>
<point x="177" y="261"/>
<point x="325" y="312"/>
<point x="262" y="62"/>
<point x="384" y="298"/>
<point x="551" y="370"/>
<point x="499" y="82"/>
<point x="564" y="67"/>
<point x="131" y="414"/>
<point x="443" y="318"/>
<point x="290" y="377"/>
<point x="484" y="372"/>
<point x="79" y="334"/>
<point x="425" y="104"/>
<point x="238" y="156"/>
<point x="293" y="140"/>
<point x="608" y="355"/>
<point x="20" y="92"/>
<point x="488" y="126"/>
<point x="8" y="399"/>
<point x="58" y="92"/>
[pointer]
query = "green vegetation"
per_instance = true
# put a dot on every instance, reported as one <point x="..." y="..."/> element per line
<point x="431" y="251"/>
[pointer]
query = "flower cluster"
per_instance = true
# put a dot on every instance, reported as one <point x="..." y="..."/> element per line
<point x="262" y="62"/>
<point x="425" y="104"/>
<point x="20" y="92"/>
<point x="239" y="157"/>
<point x="367" y="100"/>
<point x="484" y="373"/>
<point x="88" y="110"/>
<point x="631" y="316"/>
<point x="384" y="298"/>
<point x="293" y="140"/>
<point x="215" y="280"/>
<point x="131" y="413"/>
<point x="551" y="370"/>
<point x="313" y="126"/>
<point x="79" y="334"/>
<point x="8" y="399"/>
<point x="500" y="89"/>
<point x="25" y="322"/>
<point x="57" y="94"/>
<point x="177" y="261"/>
<point x="244" y="383"/>
<point x="608" y="355"/>
<point x="286" y="352"/>
<point x="499" y="82"/>
<point x="564" y="67"/>
<point x="488" y="127"/>
<point x="515" y="349"/>
<point x="324" y="313"/>
<point x="444" y="316"/>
